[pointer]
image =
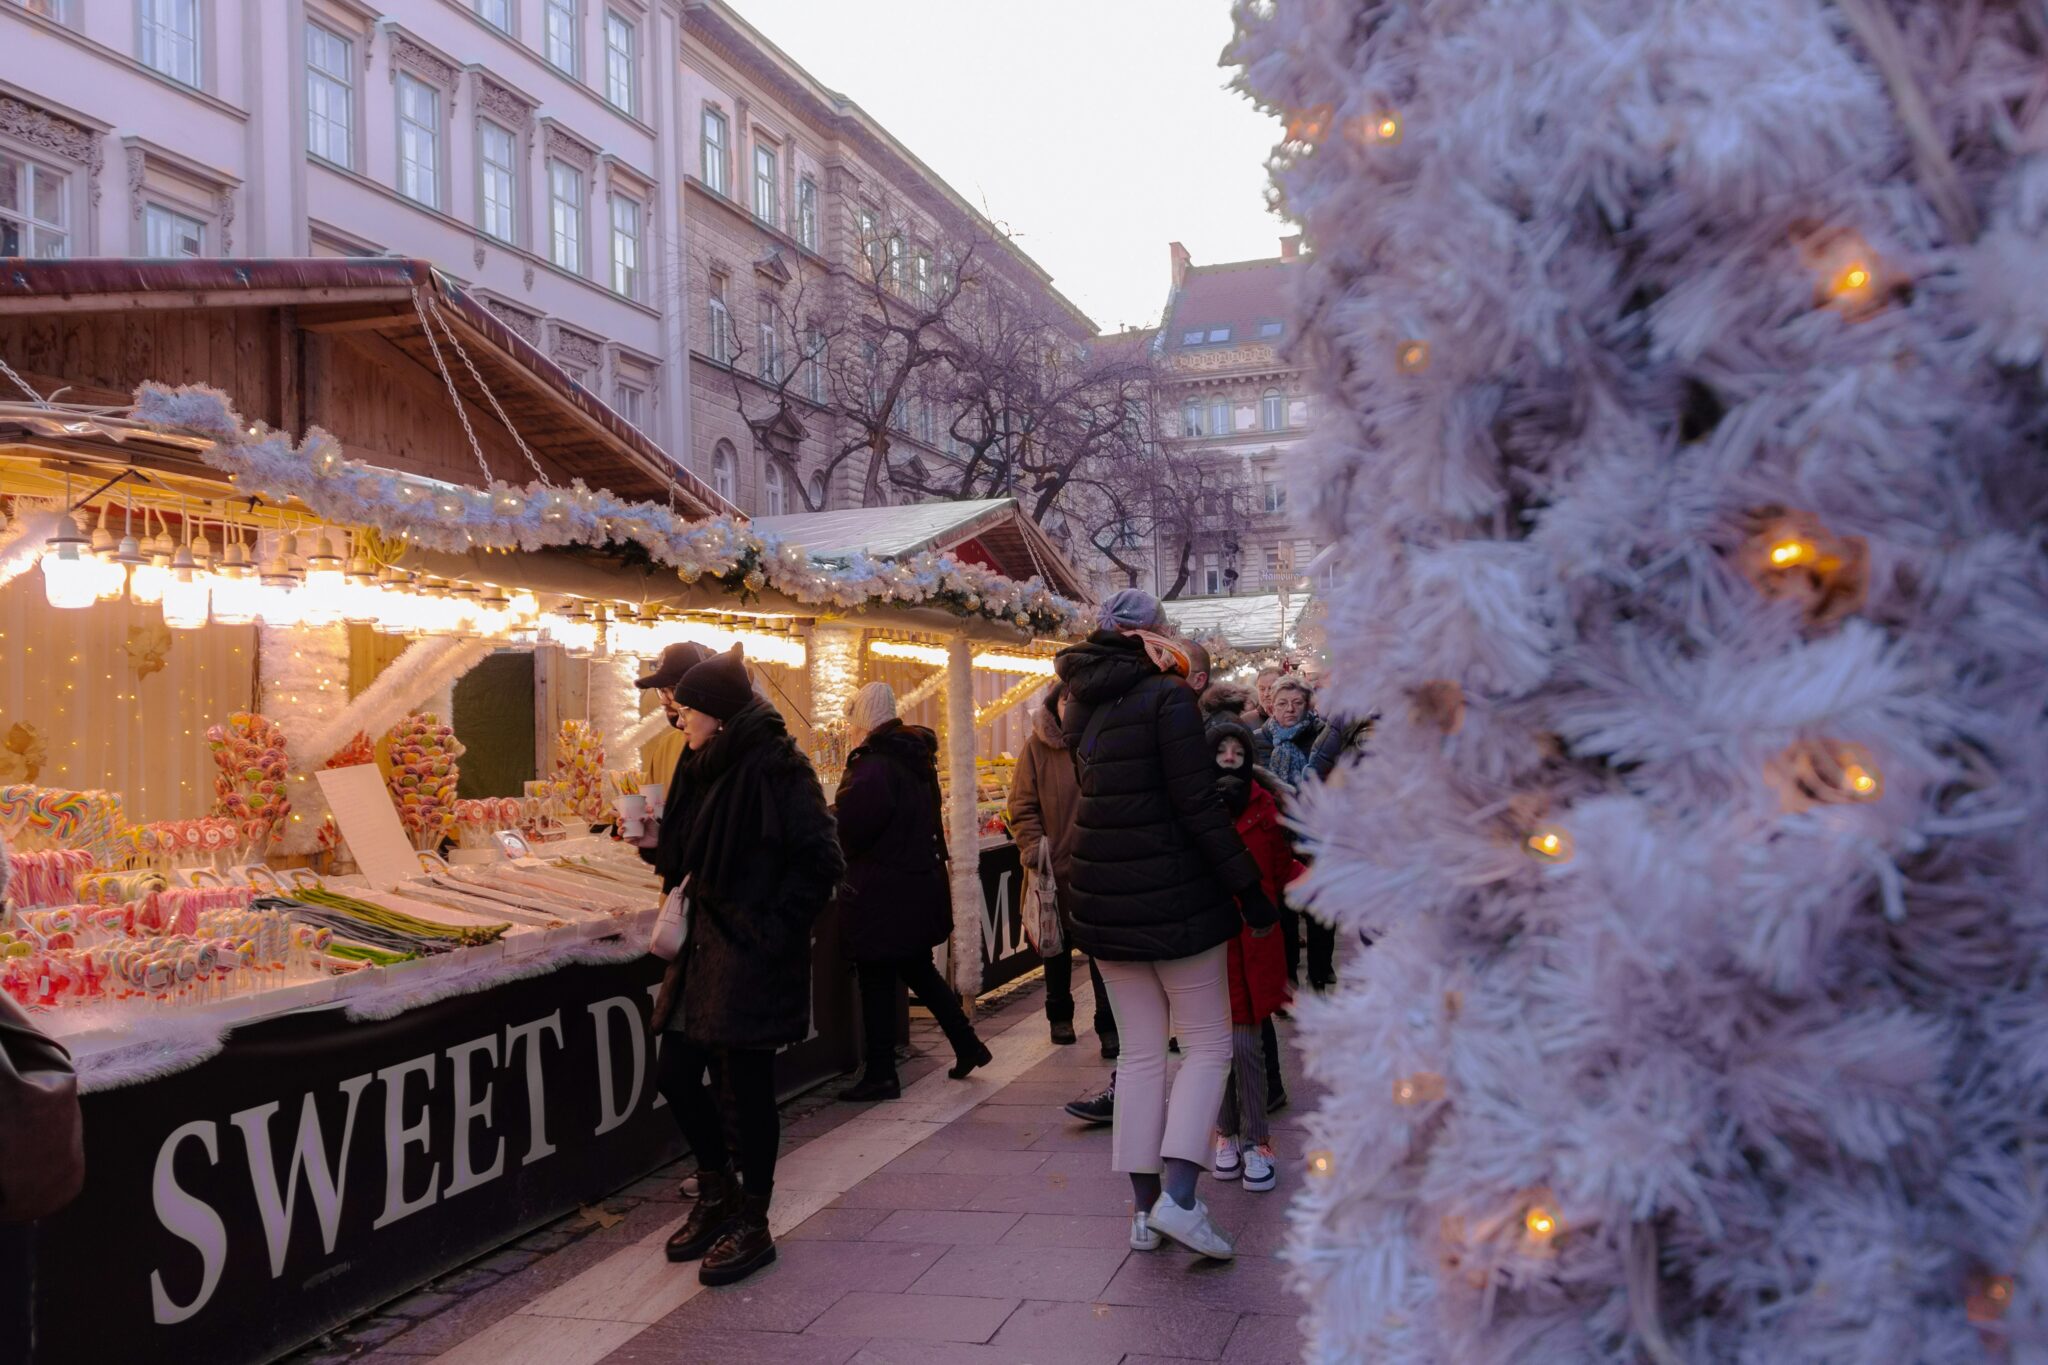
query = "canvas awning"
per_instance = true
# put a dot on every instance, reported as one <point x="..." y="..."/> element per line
<point x="992" y="531"/>
<point x="1253" y="621"/>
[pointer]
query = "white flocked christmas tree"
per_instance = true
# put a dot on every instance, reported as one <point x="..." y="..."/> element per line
<point x="1683" y="432"/>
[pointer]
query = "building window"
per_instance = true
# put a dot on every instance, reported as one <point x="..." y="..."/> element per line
<point x="927" y="423"/>
<point x="170" y="38"/>
<point x="896" y="262"/>
<point x="1221" y="422"/>
<point x="632" y="403"/>
<point x="1272" y="411"/>
<point x="419" y="141"/>
<point x="714" y="152"/>
<point x="817" y="487"/>
<point x="33" y="216"/>
<point x="1219" y="334"/>
<point x="725" y="472"/>
<point x="626" y="246"/>
<point x="1193" y="338"/>
<point x="1271" y="329"/>
<point x="561" y="35"/>
<point x="871" y="242"/>
<point x="169" y="234"/>
<point x="774" y="490"/>
<point x="621" y="60"/>
<point x="1275" y="496"/>
<point x="330" y="97"/>
<point x="721" y="323"/>
<point x="496" y="13"/>
<point x="807" y="212"/>
<point x="565" y="216"/>
<point x="765" y="207"/>
<point x="498" y="153"/>
<point x="814" y="355"/>
<point x="770" y="343"/>
<point x="49" y="9"/>
<point x="921" y="275"/>
<point x="1191" y="420"/>
<point x="1212" y="577"/>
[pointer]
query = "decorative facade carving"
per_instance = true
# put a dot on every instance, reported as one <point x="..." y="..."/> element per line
<point x="526" y="325"/>
<point x="527" y="275"/>
<point x="409" y="54"/>
<point x="575" y="350"/>
<point x="476" y="255"/>
<point x="138" y="165"/>
<point x="504" y="106"/>
<point x="48" y="132"/>
<point x="565" y="148"/>
<point x="224" y="209"/>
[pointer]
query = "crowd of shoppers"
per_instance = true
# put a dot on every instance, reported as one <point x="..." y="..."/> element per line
<point x="1156" y="804"/>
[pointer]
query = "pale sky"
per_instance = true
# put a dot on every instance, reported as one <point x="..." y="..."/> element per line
<point x="1097" y="131"/>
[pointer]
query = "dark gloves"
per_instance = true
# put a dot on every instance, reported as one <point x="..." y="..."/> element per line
<point x="1259" y="913"/>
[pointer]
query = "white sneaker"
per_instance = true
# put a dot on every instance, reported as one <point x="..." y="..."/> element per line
<point x="1226" y="1166"/>
<point x="1259" y="1174"/>
<point x="1143" y="1238"/>
<point x="1191" y="1228"/>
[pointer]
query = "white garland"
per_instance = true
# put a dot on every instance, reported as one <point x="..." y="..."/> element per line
<point x="613" y="703"/>
<point x="423" y="669"/>
<point x="292" y="666"/>
<point x="456" y="519"/>
<point x="638" y="737"/>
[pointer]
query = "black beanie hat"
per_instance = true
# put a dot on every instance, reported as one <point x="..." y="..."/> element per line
<point x="1222" y="725"/>
<point x="718" y="687"/>
<point x="675" y="661"/>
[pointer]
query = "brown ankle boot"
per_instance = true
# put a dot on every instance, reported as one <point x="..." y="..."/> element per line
<point x="743" y="1248"/>
<point x="718" y="1202"/>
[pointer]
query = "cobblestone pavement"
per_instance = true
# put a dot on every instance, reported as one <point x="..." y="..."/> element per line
<point x="967" y="1222"/>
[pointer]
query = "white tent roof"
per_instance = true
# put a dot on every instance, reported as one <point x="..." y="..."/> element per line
<point x="1251" y="621"/>
<point x="1020" y="548"/>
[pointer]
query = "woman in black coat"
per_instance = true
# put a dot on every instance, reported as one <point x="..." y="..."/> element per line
<point x="1161" y="884"/>
<point x="758" y="861"/>
<point x="896" y="904"/>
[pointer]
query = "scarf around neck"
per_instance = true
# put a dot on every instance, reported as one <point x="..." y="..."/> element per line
<point x="734" y="819"/>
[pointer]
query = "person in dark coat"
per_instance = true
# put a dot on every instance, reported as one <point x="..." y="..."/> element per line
<point x="758" y="860"/>
<point x="661" y="847"/>
<point x="896" y="903"/>
<point x="1162" y="883"/>
<point x="1044" y="796"/>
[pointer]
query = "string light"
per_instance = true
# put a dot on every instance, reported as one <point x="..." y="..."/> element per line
<point x="1549" y="844"/>
<point x="1789" y="553"/>
<point x="1321" y="1163"/>
<point x="1541" y="1223"/>
<point x="1424" y="1087"/>
<point x="1413" y="357"/>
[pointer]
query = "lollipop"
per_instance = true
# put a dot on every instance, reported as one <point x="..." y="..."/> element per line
<point x="424" y="776"/>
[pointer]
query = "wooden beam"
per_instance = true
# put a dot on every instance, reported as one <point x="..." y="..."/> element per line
<point x="370" y="319"/>
<point x="155" y="300"/>
<point x="421" y="380"/>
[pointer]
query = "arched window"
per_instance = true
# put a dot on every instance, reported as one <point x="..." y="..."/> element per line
<point x="774" y="492"/>
<point x="725" y="471"/>
<point x="1272" y="410"/>
<point x="818" y="492"/>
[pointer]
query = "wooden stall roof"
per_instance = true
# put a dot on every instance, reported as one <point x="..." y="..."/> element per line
<point x="569" y="428"/>
<point x="992" y="531"/>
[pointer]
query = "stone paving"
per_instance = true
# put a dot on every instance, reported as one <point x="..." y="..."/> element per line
<point x="983" y="1228"/>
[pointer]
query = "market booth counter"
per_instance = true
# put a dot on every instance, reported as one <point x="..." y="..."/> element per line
<point x="343" y="1023"/>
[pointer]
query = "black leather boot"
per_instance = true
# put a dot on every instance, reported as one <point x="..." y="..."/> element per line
<point x="873" y="1086"/>
<point x="718" y="1203"/>
<point x="743" y="1248"/>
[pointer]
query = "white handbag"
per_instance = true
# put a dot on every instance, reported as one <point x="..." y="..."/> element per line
<point x="672" y="926"/>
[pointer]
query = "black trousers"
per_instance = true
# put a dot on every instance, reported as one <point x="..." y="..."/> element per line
<point x="1059" y="994"/>
<point x="878" y="1008"/>
<point x="748" y="1075"/>
<point x="1300" y="930"/>
<point x="17" y="1291"/>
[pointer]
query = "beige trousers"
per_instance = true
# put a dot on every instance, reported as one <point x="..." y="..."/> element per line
<point x="1188" y="999"/>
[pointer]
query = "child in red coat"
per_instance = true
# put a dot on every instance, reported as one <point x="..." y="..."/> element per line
<point x="1257" y="971"/>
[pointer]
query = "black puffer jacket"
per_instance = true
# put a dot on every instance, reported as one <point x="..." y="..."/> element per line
<point x="762" y="859"/>
<point x="896" y="901"/>
<point x="1158" y="863"/>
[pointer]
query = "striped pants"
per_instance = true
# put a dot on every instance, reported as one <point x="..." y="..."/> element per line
<point x="1247" y="1083"/>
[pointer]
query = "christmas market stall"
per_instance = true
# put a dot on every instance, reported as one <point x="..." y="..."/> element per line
<point x="990" y="725"/>
<point x="322" y="591"/>
<point x="1248" y="634"/>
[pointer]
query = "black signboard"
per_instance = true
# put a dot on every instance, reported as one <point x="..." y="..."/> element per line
<point x="1006" y="953"/>
<point x="317" y="1167"/>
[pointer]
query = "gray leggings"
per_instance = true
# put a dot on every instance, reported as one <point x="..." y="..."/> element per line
<point x="1247" y="1080"/>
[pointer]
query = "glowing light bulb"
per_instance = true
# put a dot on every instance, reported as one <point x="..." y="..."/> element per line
<point x="325" y="594"/>
<point x="1790" y="553"/>
<point x="71" y="577"/>
<point x="1388" y="128"/>
<point x="1549" y="844"/>
<point x="187" y="593"/>
<point x="1321" y="1163"/>
<point x="1413" y="357"/>
<point x="1541" y="1223"/>
<point x="1424" y="1087"/>
<point x="1855" y="277"/>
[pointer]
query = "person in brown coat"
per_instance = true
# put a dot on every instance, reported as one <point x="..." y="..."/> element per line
<point x="1044" y="796"/>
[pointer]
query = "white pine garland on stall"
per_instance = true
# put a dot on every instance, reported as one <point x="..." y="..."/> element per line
<point x="614" y="702"/>
<point x="963" y="829"/>
<point x="423" y="670"/>
<point x="443" y="517"/>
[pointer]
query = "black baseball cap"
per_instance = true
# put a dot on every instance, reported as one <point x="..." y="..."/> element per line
<point x="675" y="661"/>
